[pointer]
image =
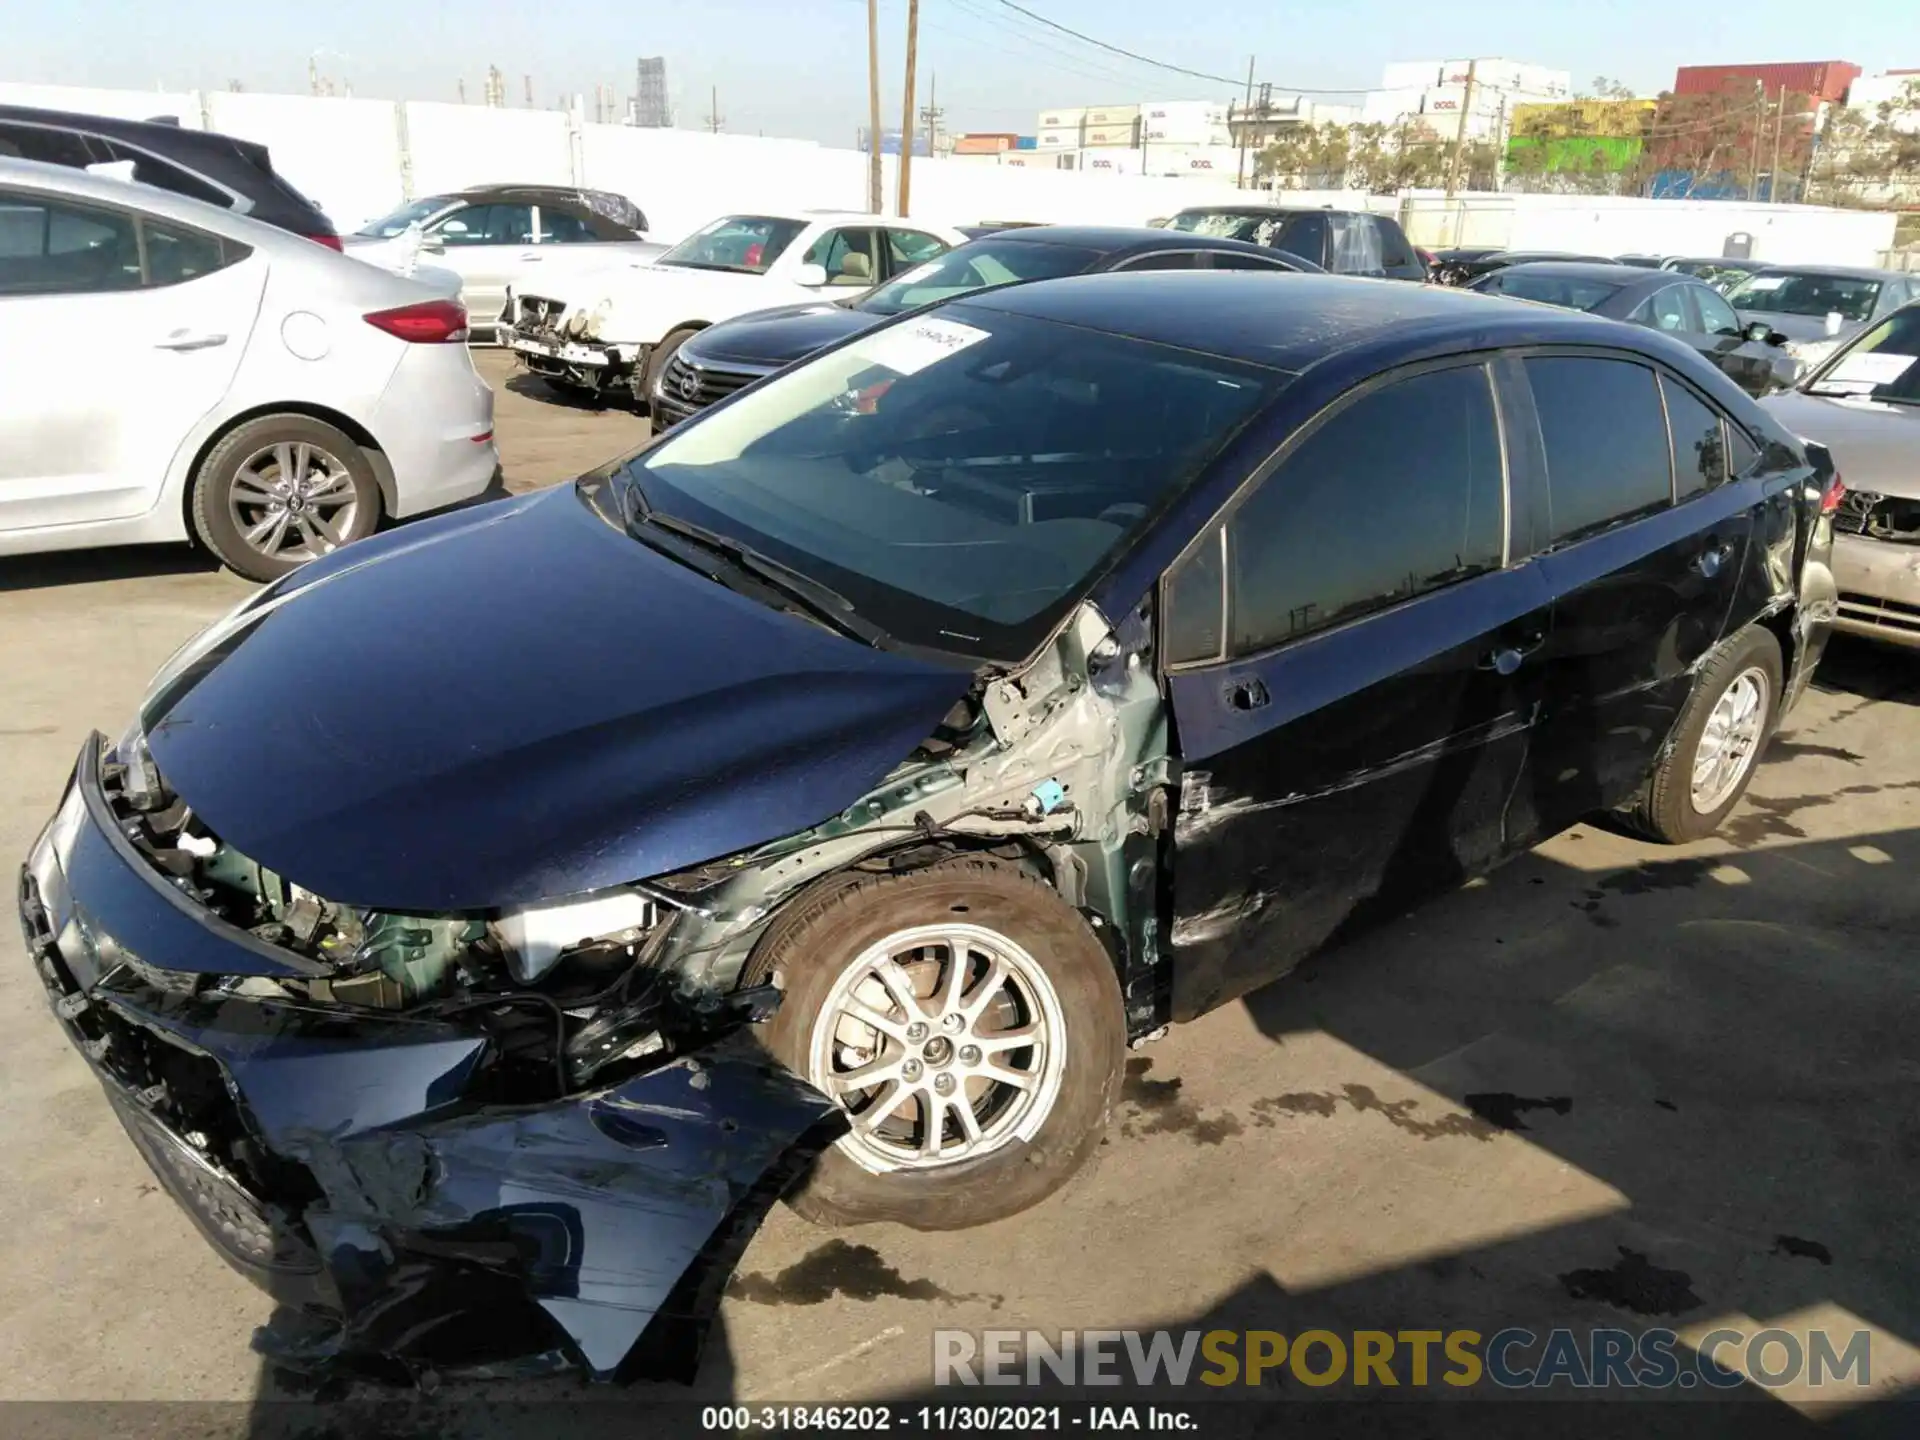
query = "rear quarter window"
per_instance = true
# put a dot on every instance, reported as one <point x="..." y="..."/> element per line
<point x="1605" y="438"/>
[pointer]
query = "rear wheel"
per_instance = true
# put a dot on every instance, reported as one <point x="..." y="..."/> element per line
<point x="968" y="1021"/>
<point x="1716" y="749"/>
<point x="281" y="490"/>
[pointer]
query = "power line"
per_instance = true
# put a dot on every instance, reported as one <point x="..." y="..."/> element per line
<point x="1178" y="69"/>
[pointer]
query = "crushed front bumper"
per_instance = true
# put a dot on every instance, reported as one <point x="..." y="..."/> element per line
<point x="1879" y="584"/>
<point x="350" y="1163"/>
<point x="545" y="351"/>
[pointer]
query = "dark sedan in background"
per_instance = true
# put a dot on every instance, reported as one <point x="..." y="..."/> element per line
<point x="713" y="364"/>
<point x="1683" y="307"/>
<point x="1470" y="265"/>
<point x="1818" y="308"/>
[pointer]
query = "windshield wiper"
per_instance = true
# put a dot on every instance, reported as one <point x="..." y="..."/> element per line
<point x="822" y="602"/>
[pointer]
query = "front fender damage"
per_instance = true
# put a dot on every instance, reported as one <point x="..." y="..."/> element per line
<point x="417" y="1231"/>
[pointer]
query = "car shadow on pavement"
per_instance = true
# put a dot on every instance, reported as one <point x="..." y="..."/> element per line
<point x="533" y="387"/>
<point x="1854" y="665"/>
<point x="116" y="562"/>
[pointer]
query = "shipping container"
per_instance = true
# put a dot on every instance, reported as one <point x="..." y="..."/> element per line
<point x="1112" y="114"/>
<point x="1821" y="79"/>
<point x="1583" y="117"/>
<point x="1386" y="107"/>
<point x="1111" y="162"/>
<point x="1121" y="136"/>
<point x="1067" y="137"/>
<point x="1026" y="142"/>
<point x="1178" y="111"/>
<point x="1410" y="75"/>
<point x="1204" y="162"/>
<point x="991" y="144"/>
<point x="1186" y="135"/>
<point x="1062" y="119"/>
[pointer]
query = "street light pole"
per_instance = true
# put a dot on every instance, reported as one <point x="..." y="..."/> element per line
<point x="909" y="125"/>
<point x="876" y="188"/>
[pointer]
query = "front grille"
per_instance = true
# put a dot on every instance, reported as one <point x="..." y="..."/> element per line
<point x="1895" y="614"/>
<point x="1878" y="517"/>
<point x="538" y="311"/>
<point x="687" y="387"/>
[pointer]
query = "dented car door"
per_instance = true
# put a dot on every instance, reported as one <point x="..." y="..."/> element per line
<point x="1358" y="735"/>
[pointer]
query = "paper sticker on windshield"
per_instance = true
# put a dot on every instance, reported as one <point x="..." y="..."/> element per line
<point x="1871" y="367"/>
<point x="910" y="348"/>
<point x="1764" y="283"/>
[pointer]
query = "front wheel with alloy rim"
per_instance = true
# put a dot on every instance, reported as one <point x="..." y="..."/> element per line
<point x="1717" y="746"/>
<point x="281" y="490"/>
<point x="969" y="1022"/>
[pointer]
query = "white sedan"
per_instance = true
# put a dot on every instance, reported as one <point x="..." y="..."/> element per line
<point x="616" y="328"/>
<point x="172" y="370"/>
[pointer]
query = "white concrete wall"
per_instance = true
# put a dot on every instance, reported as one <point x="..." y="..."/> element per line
<point x="1616" y="225"/>
<point x="360" y="158"/>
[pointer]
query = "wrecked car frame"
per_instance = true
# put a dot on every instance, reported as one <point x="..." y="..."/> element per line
<point x="487" y="1029"/>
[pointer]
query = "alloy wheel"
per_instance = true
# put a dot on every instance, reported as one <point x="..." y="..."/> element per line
<point x="293" y="500"/>
<point x="1731" y="741"/>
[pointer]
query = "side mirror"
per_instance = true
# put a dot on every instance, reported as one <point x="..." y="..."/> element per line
<point x="810" y="276"/>
<point x="1759" y="330"/>
<point x="435" y="246"/>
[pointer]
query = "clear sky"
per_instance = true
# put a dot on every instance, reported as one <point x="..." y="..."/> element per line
<point x="798" y="67"/>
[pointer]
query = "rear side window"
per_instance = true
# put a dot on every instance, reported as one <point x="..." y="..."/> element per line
<point x="1699" y="441"/>
<point x="149" y="169"/>
<point x="489" y="225"/>
<point x="1165" y="260"/>
<point x="1606" y="441"/>
<point x="49" y="147"/>
<point x="176" y="255"/>
<point x="1400" y="493"/>
<point x="1716" y="315"/>
<point x="1395" y="252"/>
<point x="54" y="248"/>
<point x="557" y="227"/>
<point x="1234" y="260"/>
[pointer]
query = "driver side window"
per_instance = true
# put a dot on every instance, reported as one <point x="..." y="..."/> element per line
<point x="847" y="256"/>
<point x="1716" y="315"/>
<point x="1664" y="310"/>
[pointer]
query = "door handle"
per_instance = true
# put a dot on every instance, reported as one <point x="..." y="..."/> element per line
<point x="190" y="340"/>
<point x="1709" y="561"/>
<point x="1248" y="694"/>
<point x="1508" y="656"/>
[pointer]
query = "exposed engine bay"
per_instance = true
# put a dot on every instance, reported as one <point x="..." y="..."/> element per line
<point x="1062" y="767"/>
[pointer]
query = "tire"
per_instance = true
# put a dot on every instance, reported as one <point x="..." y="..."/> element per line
<point x="1032" y="1139"/>
<point x="341" y="495"/>
<point x="1674" y="808"/>
<point x="657" y="361"/>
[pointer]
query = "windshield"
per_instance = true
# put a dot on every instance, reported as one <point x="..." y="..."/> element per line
<point x="744" y="244"/>
<point x="979" y="266"/>
<point x="959" y="477"/>
<point x="1884" y="364"/>
<point x="1258" y="226"/>
<point x="1785" y="293"/>
<point x="388" y="226"/>
<point x="1558" y="290"/>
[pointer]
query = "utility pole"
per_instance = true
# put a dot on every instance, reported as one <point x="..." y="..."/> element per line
<point x="1246" y="118"/>
<point x="1759" y="129"/>
<point x="907" y="126"/>
<point x="1460" y="130"/>
<point x="1773" y="173"/>
<point x="876" y="186"/>
<point x="932" y="115"/>
<point x="529" y="84"/>
<point x="714" y="118"/>
<point x="463" y="92"/>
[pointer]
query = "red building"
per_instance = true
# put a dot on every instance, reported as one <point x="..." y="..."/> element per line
<point x="1819" y="79"/>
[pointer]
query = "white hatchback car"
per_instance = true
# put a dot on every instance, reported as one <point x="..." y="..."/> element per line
<point x="169" y="369"/>
<point x="618" y="327"/>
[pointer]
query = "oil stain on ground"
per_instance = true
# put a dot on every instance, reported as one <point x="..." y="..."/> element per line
<point x="1362" y="1100"/>
<point x="1158" y="1108"/>
<point x="1503" y="1109"/>
<point x="836" y="1268"/>
<point x="1796" y="1248"/>
<point x="1634" y="1283"/>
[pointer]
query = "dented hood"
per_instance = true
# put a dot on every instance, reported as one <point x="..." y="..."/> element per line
<point x="518" y="702"/>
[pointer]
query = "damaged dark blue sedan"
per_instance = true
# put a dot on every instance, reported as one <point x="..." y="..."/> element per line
<point x="479" y="928"/>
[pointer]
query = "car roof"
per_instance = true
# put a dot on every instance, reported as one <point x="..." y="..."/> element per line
<point x="1837" y="272"/>
<point x="1121" y="237"/>
<point x="1241" y="315"/>
<point x="1716" y="260"/>
<point x="163" y="137"/>
<point x="1259" y="208"/>
<point x="1598" y="270"/>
